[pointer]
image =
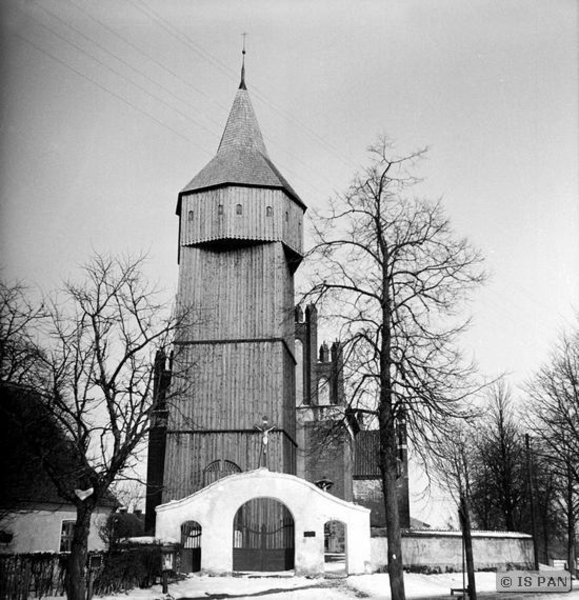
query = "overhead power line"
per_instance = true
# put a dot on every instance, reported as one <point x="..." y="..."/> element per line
<point x="115" y="71"/>
<point x="107" y="90"/>
<point x="149" y="56"/>
<point x="141" y="87"/>
<point x="231" y="74"/>
<point x="124" y="40"/>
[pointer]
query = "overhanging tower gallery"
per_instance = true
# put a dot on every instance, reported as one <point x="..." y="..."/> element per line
<point x="240" y="242"/>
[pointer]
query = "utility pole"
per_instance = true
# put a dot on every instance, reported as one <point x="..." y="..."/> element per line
<point x="533" y="508"/>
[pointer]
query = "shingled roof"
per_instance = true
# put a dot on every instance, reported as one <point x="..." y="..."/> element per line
<point x="241" y="158"/>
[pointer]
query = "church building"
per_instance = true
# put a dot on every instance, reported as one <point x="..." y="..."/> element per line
<point x="248" y="385"/>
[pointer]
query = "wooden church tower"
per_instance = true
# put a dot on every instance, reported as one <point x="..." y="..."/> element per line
<point x="244" y="352"/>
<point x="240" y="242"/>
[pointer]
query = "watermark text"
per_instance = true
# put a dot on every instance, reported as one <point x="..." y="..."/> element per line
<point x="534" y="581"/>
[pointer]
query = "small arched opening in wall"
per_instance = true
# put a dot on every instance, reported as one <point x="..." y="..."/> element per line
<point x="190" y="547"/>
<point x="323" y="391"/>
<point x="219" y="469"/>
<point x="335" y="547"/>
<point x="299" y="352"/>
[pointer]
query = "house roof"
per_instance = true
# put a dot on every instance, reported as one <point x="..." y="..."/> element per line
<point x="23" y="479"/>
<point x="241" y="157"/>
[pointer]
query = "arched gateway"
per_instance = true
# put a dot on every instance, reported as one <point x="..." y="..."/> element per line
<point x="263" y="536"/>
<point x="247" y="521"/>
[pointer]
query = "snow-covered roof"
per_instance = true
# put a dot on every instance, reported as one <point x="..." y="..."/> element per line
<point x="456" y="533"/>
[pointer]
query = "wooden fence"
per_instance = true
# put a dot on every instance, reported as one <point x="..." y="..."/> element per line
<point x="40" y="575"/>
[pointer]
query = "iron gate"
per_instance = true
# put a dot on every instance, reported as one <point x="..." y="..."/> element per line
<point x="263" y="536"/>
<point x="190" y="547"/>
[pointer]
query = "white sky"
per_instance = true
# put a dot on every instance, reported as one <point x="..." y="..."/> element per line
<point x="109" y="108"/>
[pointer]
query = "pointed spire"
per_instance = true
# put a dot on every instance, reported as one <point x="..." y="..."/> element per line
<point x="241" y="157"/>
<point x="242" y="83"/>
<point x="242" y="128"/>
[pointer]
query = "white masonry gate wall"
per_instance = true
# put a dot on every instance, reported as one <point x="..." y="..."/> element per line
<point x="215" y="506"/>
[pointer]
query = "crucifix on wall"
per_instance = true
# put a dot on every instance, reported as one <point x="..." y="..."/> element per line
<point x="265" y="430"/>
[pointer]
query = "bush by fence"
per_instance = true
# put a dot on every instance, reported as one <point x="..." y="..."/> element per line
<point x="39" y="575"/>
<point x="125" y="569"/>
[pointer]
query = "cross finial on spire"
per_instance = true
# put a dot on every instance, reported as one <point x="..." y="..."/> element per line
<point x="242" y="84"/>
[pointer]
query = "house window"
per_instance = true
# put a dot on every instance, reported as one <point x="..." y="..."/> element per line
<point x="66" y="534"/>
<point x="269" y="211"/>
<point x="190" y="215"/>
<point x="6" y="537"/>
<point x="220" y="209"/>
<point x="239" y="209"/>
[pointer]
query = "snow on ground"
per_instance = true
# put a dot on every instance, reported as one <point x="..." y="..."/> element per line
<point x="283" y="586"/>
<point x="419" y="586"/>
<point x="271" y="588"/>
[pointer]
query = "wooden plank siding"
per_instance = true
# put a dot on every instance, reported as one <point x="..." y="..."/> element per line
<point x="202" y="219"/>
<point x="190" y="452"/>
<point x="233" y="385"/>
<point x="236" y="292"/>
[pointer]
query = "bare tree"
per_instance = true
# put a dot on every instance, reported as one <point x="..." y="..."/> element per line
<point x="20" y="364"/>
<point x="554" y="395"/>
<point x="513" y="486"/>
<point x="130" y="492"/>
<point x="97" y="388"/>
<point x="544" y="495"/>
<point x="390" y="273"/>
<point x="454" y="458"/>
<point x="499" y="482"/>
<point x="19" y="319"/>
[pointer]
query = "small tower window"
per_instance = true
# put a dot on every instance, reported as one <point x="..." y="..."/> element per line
<point x="269" y="211"/>
<point x="220" y="209"/>
<point x="239" y="209"/>
<point x="286" y="216"/>
<point x="190" y="215"/>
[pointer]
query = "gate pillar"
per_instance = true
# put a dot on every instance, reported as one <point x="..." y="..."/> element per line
<point x="309" y="549"/>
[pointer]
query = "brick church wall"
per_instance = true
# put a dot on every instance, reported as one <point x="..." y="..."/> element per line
<point x="368" y="493"/>
<point x="328" y="456"/>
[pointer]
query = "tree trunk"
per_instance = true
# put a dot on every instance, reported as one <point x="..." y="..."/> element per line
<point x="464" y="516"/>
<point x="388" y="436"/>
<point x="76" y="572"/>
<point x="389" y="464"/>
<point x="571" y="548"/>
<point x="546" y="536"/>
<point x="571" y="557"/>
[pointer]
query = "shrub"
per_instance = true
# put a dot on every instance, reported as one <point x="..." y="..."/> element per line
<point x="138" y="566"/>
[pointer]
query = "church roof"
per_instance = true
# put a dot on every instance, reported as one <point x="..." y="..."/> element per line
<point x="241" y="158"/>
<point x="366" y="461"/>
